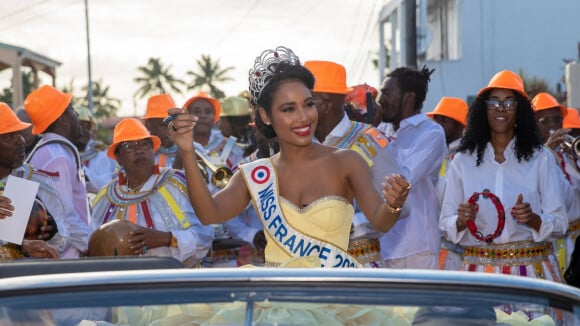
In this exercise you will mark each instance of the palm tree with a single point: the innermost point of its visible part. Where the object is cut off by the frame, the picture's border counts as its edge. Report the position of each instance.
(104, 105)
(208, 75)
(156, 79)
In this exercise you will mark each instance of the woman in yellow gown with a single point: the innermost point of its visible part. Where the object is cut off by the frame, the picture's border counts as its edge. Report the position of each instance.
(304, 193)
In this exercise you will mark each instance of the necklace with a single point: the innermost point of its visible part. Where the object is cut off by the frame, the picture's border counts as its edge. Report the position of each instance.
(135, 188)
(500, 217)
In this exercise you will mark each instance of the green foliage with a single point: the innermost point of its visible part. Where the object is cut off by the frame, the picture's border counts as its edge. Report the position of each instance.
(104, 105)
(155, 79)
(209, 73)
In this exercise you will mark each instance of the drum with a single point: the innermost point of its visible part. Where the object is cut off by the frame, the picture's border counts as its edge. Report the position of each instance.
(111, 239)
(9, 251)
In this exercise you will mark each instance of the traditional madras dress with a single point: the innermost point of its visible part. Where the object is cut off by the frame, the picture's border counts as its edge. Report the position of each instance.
(99, 168)
(161, 204)
(50, 199)
(56, 153)
(518, 249)
(164, 157)
(450, 254)
(370, 144)
(321, 229)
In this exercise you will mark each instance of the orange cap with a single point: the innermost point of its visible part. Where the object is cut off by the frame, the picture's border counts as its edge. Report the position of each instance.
(544, 101)
(451, 107)
(572, 119)
(130, 129)
(203, 96)
(157, 106)
(508, 80)
(44, 105)
(329, 77)
(9, 122)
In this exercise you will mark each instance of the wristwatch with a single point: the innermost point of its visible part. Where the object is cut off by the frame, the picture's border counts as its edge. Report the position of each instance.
(173, 242)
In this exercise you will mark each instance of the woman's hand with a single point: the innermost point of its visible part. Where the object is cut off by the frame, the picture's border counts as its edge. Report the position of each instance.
(395, 190)
(557, 138)
(38, 249)
(181, 128)
(144, 238)
(465, 212)
(6, 208)
(522, 213)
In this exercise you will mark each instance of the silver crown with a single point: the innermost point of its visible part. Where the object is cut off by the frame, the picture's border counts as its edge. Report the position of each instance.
(265, 66)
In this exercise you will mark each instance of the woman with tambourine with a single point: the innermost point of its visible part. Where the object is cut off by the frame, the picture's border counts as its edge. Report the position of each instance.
(503, 200)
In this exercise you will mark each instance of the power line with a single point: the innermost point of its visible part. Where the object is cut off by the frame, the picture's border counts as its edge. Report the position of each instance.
(42, 14)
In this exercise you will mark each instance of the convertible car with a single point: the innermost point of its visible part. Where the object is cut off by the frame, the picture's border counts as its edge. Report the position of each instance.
(158, 292)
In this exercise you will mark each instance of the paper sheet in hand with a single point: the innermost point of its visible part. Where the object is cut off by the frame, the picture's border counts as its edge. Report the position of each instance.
(22, 193)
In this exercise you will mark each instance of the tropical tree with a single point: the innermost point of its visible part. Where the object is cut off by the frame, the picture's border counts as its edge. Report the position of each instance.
(209, 73)
(155, 79)
(104, 105)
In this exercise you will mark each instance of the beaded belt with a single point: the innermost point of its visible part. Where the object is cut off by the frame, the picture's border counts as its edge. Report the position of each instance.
(365, 250)
(574, 227)
(513, 253)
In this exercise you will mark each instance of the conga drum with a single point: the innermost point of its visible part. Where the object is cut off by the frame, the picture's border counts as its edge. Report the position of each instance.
(111, 239)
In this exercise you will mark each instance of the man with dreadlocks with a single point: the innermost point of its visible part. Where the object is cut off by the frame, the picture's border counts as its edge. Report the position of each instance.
(418, 145)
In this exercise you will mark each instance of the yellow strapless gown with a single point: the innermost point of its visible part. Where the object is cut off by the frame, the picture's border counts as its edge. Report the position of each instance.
(327, 219)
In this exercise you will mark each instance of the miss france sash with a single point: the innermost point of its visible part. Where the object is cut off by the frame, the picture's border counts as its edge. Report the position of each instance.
(261, 179)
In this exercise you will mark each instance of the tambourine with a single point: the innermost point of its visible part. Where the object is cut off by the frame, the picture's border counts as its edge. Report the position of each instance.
(500, 216)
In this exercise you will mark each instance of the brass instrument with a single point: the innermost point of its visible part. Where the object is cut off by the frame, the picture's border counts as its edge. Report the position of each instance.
(571, 146)
(220, 177)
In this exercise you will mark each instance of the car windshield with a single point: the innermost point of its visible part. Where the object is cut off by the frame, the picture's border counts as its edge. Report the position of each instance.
(270, 297)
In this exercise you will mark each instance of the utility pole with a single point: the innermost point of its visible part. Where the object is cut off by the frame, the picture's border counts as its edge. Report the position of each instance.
(90, 83)
(411, 33)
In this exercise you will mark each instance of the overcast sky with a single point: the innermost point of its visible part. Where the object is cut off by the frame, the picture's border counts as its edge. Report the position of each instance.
(125, 33)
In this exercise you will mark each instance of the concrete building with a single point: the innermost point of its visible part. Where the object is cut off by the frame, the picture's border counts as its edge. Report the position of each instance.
(468, 41)
(15, 58)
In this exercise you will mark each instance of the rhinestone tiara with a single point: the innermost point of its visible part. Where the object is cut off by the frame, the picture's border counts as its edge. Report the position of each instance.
(265, 66)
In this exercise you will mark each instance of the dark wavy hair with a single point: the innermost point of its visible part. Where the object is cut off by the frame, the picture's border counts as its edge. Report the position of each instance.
(283, 71)
(478, 132)
(412, 80)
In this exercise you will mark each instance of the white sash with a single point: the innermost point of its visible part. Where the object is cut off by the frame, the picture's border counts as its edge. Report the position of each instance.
(261, 179)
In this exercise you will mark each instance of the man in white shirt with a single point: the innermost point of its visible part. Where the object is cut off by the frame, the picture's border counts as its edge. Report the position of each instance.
(53, 116)
(419, 146)
(451, 114)
(335, 129)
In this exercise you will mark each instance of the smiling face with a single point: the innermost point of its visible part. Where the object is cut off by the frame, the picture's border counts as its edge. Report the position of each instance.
(294, 115)
(501, 119)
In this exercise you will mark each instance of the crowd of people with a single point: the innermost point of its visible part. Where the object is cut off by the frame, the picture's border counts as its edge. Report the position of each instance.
(302, 170)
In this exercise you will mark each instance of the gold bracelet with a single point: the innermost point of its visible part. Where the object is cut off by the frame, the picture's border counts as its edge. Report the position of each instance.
(392, 209)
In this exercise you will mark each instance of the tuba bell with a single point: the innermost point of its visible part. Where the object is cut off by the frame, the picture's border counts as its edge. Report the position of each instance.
(220, 176)
(571, 146)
